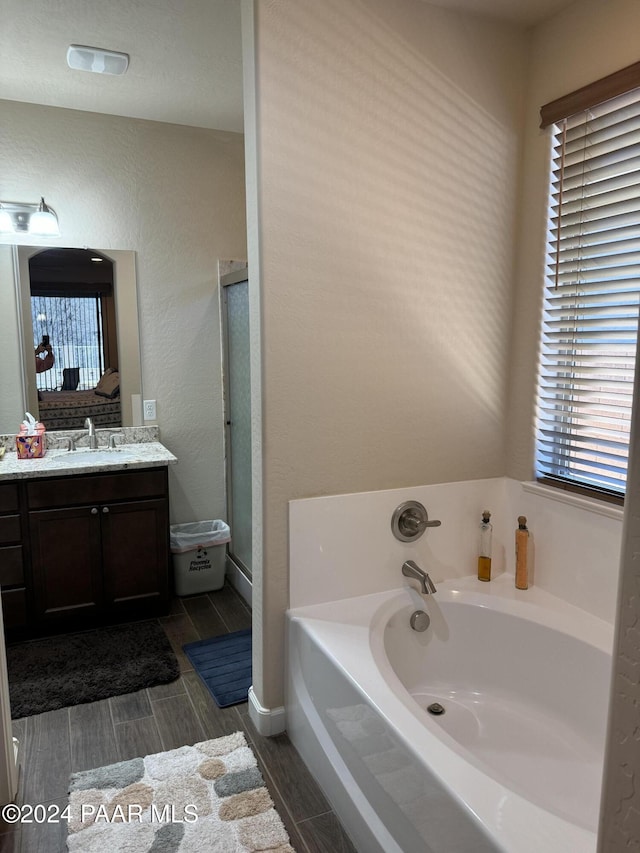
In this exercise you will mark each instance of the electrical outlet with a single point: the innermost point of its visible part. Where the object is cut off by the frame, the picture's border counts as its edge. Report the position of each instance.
(149, 410)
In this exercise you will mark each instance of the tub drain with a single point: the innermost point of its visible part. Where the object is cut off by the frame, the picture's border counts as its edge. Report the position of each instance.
(435, 708)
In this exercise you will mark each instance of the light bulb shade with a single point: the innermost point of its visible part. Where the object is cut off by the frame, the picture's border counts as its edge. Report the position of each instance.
(6, 222)
(82, 57)
(44, 221)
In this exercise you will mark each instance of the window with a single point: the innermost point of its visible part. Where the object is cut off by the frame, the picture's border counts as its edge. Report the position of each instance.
(592, 292)
(74, 327)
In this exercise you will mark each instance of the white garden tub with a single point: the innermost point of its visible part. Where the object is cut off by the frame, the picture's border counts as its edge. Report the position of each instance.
(515, 761)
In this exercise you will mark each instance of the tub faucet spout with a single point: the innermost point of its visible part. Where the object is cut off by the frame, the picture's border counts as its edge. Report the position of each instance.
(412, 570)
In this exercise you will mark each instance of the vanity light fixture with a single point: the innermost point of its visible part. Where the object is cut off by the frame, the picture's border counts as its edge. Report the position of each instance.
(22, 218)
(81, 57)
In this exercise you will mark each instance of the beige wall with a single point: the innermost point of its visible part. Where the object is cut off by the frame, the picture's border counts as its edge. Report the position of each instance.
(174, 195)
(387, 143)
(590, 39)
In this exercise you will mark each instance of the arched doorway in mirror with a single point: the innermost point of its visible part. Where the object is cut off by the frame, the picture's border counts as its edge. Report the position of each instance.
(75, 342)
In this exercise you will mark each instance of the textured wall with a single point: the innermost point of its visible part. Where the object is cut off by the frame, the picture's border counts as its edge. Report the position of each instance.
(387, 144)
(175, 195)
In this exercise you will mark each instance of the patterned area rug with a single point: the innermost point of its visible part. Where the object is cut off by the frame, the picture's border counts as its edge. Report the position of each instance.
(206, 798)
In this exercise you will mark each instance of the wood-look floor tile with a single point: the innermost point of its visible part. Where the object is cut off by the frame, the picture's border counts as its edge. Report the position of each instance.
(164, 691)
(10, 842)
(215, 721)
(324, 833)
(205, 617)
(231, 607)
(93, 742)
(18, 728)
(289, 773)
(177, 722)
(46, 757)
(180, 629)
(175, 606)
(46, 837)
(130, 706)
(137, 738)
(296, 839)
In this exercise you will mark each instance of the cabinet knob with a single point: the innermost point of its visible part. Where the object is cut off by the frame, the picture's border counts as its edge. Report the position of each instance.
(105, 509)
(94, 510)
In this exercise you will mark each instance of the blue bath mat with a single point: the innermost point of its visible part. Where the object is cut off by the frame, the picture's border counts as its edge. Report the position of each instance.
(224, 664)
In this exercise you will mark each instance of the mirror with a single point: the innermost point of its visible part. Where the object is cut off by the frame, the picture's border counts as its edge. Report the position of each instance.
(18, 389)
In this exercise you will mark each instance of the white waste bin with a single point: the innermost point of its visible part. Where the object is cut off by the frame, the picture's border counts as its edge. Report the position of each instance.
(198, 554)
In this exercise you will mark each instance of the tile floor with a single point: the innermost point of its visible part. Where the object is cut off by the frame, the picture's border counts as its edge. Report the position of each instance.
(58, 743)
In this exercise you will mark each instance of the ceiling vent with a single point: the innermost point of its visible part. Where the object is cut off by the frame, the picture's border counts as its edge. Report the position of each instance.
(84, 58)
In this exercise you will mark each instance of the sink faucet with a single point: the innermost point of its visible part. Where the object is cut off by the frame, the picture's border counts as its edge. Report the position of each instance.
(411, 570)
(93, 438)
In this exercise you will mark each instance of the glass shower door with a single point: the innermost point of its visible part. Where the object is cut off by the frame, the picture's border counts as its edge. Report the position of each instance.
(235, 302)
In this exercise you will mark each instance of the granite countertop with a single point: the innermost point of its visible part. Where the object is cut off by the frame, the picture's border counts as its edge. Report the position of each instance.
(57, 462)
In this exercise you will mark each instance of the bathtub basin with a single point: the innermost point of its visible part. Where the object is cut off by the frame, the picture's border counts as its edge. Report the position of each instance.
(513, 764)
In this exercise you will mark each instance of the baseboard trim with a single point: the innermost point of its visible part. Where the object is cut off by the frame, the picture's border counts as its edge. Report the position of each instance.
(268, 721)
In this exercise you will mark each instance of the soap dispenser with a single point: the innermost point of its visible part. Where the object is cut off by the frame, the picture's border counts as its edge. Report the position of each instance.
(484, 551)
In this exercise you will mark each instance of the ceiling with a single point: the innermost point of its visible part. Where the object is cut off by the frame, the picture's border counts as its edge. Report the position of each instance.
(185, 55)
(185, 58)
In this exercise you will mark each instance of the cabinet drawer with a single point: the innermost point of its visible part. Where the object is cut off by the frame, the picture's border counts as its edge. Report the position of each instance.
(9, 529)
(97, 488)
(14, 608)
(8, 497)
(11, 571)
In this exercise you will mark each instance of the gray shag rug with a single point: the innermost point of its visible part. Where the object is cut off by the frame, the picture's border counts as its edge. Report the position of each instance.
(206, 798)
(71, 669)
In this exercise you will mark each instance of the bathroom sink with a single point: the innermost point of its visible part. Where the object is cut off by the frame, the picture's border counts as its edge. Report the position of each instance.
(84, 456)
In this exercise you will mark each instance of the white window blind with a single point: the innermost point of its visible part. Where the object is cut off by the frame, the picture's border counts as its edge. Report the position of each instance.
(592, 291)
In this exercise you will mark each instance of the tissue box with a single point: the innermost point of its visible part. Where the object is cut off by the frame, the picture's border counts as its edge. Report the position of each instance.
(31, 446)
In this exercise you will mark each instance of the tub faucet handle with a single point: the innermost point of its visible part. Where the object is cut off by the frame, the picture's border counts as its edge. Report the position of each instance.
(410, 520)
(412, 570)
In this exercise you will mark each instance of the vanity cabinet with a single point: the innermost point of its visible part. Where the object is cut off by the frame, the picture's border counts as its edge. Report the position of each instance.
(12, 569)
(99, 548)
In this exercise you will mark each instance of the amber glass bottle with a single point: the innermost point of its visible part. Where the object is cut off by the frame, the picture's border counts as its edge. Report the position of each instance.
(522, 544)
(484, 551)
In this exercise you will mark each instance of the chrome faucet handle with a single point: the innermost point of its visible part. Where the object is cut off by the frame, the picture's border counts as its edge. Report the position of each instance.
(414, 523)
(71, 445)
(410, 520)
(113, 444)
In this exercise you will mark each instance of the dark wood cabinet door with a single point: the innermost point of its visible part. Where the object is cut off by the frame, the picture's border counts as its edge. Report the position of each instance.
(66, 563)
(135, 556)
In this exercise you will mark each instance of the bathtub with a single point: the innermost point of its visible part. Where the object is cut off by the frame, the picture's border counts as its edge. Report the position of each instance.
(513, 764)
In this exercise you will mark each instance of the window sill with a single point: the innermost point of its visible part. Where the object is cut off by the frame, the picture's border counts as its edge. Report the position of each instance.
(589, 504)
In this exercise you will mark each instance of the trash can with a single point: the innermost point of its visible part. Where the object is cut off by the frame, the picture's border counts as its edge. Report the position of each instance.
(198, 555)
